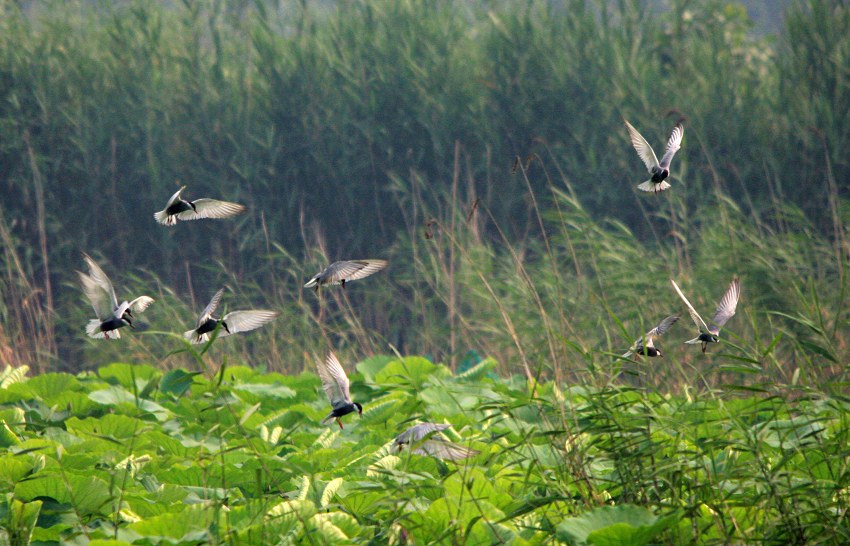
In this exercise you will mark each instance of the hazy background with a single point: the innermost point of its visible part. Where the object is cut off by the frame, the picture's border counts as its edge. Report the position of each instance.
(347, 127)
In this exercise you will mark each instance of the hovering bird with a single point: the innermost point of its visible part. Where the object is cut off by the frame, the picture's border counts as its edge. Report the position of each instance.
(231, 323)
(425, 439)
(335, 383)
(659, 171)
(110, 315)
(645, 346)
(725, 310)
(345, 271)
(178, 208)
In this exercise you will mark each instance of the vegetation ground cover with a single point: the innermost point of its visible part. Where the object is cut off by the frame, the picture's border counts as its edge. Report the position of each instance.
(129, 454)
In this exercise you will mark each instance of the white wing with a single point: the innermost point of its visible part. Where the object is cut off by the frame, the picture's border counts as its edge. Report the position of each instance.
(174, 198)
(245, 321)
(98, 289)
(417, 432)
(347, 270)
(139, 304)
(210, 308)
(663, 327)
(727, 306)
(211, 208)
(443, 449)
(673, 145)
(642, 147)
(703, 327)
(648, 339)
(334, 380)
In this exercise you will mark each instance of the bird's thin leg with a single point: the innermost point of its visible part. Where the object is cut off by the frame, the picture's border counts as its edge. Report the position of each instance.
(339, 422)
(342, 282)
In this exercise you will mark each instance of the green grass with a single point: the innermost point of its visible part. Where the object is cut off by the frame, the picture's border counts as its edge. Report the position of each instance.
(129, 453)
(312, 115)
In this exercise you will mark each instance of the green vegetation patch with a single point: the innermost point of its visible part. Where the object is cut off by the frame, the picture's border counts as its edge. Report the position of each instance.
(180, 458)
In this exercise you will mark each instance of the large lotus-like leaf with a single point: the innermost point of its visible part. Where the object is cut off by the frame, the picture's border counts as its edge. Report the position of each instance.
(613, 525)
(116, 396)
(129, 376)
(334, 527)
(371, 366)
(110, 425)
(478, 371)
(330, 492)
(46, 387)
(88, 495)
(188, 525)
(11, 375)
(7, 435)
(262, 390)
(411, 371)
(177, 382)
(13, 469)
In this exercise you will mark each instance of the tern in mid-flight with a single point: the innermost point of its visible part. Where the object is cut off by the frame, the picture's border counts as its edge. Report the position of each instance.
(659, 170)
(725, 310)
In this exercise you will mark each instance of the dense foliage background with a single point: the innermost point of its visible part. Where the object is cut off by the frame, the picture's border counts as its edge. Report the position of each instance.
(479, 147)
(391, 129)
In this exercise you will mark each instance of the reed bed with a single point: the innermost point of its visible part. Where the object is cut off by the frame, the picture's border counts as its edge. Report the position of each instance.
(477, 146)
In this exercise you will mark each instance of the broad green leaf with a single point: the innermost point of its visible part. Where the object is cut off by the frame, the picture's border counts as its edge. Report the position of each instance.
(22, 518)
(13, 468)
(15, 417)
(47, 386)
(7, 436)
(88, 495)
(11, 375)
(125, 375)
(241, 374)
(379, 412)
(611, 525)
(261, 390)
(115, 426)
(177, 382)
(303, 484)
(77, 403)
(330, 491)
(302, 509)
(329, 526)
(116, 396)
(371, 366)
(188, 525)
(411, 371)
(380, 466)
(248, 413)
(478, 371)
